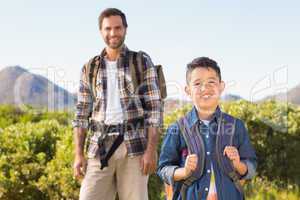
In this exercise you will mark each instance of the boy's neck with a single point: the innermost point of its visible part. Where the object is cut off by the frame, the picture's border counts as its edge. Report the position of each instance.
(206, 114)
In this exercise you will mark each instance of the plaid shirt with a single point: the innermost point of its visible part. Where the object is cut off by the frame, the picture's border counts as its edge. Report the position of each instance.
(145, 102)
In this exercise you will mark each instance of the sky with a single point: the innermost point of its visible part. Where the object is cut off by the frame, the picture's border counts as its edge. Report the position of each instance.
(256, 43)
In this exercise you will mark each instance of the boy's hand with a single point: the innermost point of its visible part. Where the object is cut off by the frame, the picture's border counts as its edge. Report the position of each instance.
(190, 164)
(233, 154)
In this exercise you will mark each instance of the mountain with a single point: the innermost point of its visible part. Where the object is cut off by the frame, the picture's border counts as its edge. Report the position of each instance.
(231, 97)
(20, 87)
(291, 96)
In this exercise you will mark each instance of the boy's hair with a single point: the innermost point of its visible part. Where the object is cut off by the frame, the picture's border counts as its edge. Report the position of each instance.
(112, 12)
(203, 62)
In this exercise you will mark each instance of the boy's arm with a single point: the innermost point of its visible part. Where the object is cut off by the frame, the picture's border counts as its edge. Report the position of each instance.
(246, 151)
(190, 166)
(169, 159)
(232, 153)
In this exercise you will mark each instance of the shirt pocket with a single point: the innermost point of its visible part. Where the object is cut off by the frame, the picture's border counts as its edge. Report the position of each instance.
(99, 89)
(128, 86)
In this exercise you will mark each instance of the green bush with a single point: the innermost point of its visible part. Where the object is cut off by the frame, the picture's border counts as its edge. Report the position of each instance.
(25, 151)
(57, 181)
(36, 152)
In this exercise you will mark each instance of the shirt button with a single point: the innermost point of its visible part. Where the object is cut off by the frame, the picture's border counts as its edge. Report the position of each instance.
(206, 189)
(208, 153)
(208, 171)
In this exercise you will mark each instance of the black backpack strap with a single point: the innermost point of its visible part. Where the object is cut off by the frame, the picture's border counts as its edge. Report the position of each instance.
(118, 141)
(193, 141)
(225, 135)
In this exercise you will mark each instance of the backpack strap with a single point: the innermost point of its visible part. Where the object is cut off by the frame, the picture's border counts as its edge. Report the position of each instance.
(92, 68)
(225, 135)
(137, 68)
(193, 142)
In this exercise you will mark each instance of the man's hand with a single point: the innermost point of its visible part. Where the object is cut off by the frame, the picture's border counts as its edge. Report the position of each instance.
(80, 163)
(190, 164)
(149, 161)
(79, 167)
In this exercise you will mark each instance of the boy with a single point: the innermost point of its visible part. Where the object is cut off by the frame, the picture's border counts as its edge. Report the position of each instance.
(219, 153)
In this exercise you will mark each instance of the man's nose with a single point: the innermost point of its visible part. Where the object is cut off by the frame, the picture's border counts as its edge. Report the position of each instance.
(112, 32)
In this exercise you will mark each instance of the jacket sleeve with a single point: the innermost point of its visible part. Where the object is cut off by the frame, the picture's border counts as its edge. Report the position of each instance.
(169, 159)
(150, 92)
(246, 150)
(84, 104)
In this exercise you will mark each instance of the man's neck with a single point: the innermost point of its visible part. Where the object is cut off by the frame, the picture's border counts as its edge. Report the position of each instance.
(112, 54)
(206, 114)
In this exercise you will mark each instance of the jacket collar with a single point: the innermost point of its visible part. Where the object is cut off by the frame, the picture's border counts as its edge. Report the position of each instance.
(193, 118)
(123, 51)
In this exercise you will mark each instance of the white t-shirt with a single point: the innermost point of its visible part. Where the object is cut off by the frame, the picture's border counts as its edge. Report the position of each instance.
(114, 113)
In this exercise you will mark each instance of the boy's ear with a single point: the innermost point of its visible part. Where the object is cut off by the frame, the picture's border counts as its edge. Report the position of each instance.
(187, 90)
(222, 86)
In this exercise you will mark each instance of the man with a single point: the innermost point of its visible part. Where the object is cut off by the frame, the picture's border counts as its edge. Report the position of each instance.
(116, 111)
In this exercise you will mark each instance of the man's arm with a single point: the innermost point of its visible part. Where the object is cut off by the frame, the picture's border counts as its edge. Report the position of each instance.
(81, 123)
(80, 161)
(154, 108)
(149, 159)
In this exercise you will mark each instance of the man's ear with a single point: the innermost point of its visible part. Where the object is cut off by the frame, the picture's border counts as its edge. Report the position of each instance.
(187, 90)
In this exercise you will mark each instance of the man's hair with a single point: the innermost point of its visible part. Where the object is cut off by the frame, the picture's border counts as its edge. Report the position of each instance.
(112, 12)
(203, 62)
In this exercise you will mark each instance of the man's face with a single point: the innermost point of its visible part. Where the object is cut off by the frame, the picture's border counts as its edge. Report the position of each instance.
(205, 88)
(113, 31)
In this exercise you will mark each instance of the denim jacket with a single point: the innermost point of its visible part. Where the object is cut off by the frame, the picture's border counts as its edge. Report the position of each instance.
(174, 152)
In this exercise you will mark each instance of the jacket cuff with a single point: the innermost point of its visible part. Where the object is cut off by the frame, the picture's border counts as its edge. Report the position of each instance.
(80, 123)
(168, 174)
(251, 170)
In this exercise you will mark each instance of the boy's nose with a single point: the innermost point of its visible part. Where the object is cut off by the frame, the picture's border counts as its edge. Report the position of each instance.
(202, 87)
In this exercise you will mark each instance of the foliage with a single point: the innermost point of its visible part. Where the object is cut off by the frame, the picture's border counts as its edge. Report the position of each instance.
(36, 152)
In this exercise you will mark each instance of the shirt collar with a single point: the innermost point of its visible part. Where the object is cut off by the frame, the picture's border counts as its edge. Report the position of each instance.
(123, 51)
(193, 118)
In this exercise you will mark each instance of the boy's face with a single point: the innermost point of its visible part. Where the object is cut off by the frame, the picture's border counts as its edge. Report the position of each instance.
(205, 88)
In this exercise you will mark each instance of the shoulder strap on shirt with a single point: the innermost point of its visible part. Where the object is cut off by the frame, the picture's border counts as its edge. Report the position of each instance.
(193, 142)
(92, 68)
(225, 135)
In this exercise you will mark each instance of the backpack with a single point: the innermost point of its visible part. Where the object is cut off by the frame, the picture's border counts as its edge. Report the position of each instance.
(136, 63)
(225, 134)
